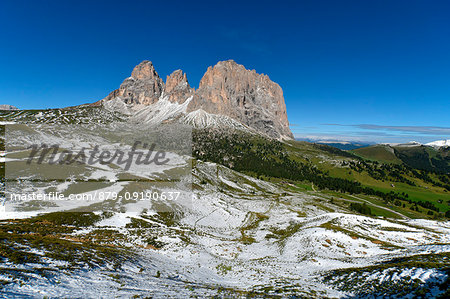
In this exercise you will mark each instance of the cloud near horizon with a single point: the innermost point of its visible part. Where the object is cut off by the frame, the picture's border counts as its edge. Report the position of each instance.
(429, 130)
(372, 133)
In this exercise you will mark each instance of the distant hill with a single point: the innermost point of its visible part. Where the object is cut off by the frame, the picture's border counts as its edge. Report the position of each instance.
(379, 152)
(439, 143)
(8, 107)
(417, 156)
(343, 145)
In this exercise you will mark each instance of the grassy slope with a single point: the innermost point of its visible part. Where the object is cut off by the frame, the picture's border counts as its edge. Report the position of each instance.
(418, 157)
(381, 153)
(329, 163)
(423, 191)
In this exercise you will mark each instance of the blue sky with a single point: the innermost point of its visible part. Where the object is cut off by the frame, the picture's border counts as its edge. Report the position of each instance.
(360, 70)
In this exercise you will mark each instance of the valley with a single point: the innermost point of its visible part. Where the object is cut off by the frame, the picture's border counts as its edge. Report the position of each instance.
(257, 217)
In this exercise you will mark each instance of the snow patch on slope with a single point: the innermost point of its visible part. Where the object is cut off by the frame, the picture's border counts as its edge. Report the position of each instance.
(439, 143)
(159, 112)
(164, 110)
(201, 119)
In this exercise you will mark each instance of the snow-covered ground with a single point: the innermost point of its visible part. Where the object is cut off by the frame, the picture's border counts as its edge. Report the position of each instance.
(248, 236)
(439, 143)
(227, 232)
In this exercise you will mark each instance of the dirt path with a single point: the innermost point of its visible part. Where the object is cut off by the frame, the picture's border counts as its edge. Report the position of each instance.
(384, 208)
(368, 202)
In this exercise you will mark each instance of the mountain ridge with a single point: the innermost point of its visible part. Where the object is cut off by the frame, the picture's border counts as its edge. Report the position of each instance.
(8, 107)
(227, 89)
(415, 155)
(439, 143)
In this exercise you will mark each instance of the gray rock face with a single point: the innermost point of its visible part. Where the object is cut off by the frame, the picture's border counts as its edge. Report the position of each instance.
(8, 107)
(227, 89)
(253, 99)
(143, 87)
(177, 87)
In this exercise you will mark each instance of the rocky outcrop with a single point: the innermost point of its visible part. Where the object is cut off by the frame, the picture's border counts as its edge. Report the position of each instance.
(177, 87)
(253, 99)
(227, 89)
(143, 87)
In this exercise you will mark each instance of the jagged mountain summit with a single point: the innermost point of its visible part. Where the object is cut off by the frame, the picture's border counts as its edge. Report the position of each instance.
(8, 107)
(436, 144)
(439, 143)
(228, 94)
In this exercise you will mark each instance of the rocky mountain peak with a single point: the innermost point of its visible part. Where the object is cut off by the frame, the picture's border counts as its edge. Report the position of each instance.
(176, 79)
(143, 87)
(177, 87)
(144, 70)
(253, 99)
(222, 69)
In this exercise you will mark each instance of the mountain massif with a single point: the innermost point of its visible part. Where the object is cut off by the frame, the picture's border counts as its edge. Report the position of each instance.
(226, 89)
